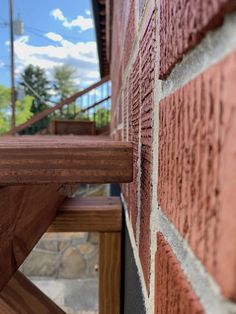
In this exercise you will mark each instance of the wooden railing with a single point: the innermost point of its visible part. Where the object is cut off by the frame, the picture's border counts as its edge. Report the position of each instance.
(38, 176)
(92, 103)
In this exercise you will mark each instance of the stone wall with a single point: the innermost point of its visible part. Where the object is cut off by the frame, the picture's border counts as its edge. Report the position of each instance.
(64, 256)
(173, 71)
(65, 265)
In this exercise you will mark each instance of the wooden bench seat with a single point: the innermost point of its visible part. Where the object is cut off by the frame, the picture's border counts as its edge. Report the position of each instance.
(64, 159)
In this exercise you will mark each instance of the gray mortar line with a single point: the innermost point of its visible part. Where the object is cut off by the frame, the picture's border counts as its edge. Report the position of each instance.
(213, 48)
(157, 93)
(202, 283)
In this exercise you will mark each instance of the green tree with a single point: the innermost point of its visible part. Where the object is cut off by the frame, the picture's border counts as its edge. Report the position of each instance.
(64, 81)
(64, 85)
(102, 117)
(5, 109)
(35, 84)
(23, 112)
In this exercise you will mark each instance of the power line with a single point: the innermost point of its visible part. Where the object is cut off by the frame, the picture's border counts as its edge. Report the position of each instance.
(41, 36)
(44, 32)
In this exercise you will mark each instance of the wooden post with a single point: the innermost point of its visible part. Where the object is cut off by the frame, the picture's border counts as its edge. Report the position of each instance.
(109, 272)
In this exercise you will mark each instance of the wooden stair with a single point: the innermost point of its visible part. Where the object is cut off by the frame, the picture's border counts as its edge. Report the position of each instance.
(37, 173)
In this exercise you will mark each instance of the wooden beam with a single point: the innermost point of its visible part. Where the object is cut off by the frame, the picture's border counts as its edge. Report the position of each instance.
(81, 214)
(58, 106)
(26, 213)
(21, 296)
(64, 159)
(109, 273)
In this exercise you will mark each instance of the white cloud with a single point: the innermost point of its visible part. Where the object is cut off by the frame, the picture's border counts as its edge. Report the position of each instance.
(54, 36)
(83, 23)
(57, 14)
(88, 12)
(2, 64)
(81, 55)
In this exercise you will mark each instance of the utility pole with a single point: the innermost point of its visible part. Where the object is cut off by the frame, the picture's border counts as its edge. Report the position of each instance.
(13, 99)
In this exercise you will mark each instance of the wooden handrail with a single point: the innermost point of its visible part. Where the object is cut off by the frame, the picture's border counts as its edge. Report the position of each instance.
(48, 111)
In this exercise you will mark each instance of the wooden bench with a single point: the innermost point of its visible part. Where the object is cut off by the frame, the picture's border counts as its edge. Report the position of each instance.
(104, 215)
(37, 174)
(79, 214)
(64, 159)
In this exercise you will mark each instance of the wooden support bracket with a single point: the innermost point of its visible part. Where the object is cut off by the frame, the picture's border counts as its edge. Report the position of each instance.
(20, 295)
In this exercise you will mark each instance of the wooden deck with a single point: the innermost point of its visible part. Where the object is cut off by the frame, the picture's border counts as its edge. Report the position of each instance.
(64, 159)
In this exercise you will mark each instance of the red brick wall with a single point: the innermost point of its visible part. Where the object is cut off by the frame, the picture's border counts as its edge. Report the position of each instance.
(147, 47)
(173, 292)
(183, 23)
(197, 170)
(184, 148)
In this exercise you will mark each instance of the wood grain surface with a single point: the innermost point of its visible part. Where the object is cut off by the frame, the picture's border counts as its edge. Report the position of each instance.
(26, 212)
(21, 296)
(64, 159)
(81, 214)
(109, 273)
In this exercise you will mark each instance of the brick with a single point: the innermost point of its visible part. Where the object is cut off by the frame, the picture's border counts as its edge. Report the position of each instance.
(147, 48)
(134, 118)
(173, 294)
(183, 23)
(130, 33)
(141, 6)
(197, 168)
(126, 110)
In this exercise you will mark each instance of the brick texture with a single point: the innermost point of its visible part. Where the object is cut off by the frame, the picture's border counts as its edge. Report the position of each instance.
(197, 168)
(141, 6)
(134, 118)
(147, 48)
(183, 23)
(174, 295)
(130, 33)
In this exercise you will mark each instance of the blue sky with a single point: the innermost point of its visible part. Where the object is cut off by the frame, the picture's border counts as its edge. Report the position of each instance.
(56, 32)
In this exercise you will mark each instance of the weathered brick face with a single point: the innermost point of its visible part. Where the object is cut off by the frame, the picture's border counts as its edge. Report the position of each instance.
(134, 118)
(197, 168)
(147, 48)
(183, 23)
(174, 295)
(130, 33)
(141, 6)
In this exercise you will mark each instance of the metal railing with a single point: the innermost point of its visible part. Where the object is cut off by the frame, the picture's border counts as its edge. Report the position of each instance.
(92, 103)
